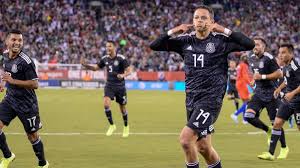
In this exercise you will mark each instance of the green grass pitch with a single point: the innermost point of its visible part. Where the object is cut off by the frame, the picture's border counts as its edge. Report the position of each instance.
(74, 126)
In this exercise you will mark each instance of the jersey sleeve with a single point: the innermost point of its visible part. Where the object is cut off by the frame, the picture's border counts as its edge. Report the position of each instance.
(101, 63)
(296, 68)
(166, 43)
(30, 71)
(125, 63)
(272, 65)
(239, 42)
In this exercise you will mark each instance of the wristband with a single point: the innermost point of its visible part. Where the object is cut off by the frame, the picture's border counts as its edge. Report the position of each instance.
(264, 76)
(170, 32)
(227, 31)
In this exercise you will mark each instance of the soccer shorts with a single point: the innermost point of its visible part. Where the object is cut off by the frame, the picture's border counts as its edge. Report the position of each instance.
(116, 92)
(258, 105)
(286, 111)
(30, 118)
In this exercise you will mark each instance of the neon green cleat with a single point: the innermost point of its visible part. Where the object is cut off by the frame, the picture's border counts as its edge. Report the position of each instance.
(266, 156)
(46, 166)
(6, 161)
(283, 153)
(110, 130)
(125, 132)
(269, 134)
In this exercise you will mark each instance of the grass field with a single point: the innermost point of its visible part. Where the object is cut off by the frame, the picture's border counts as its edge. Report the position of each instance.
(74, 126)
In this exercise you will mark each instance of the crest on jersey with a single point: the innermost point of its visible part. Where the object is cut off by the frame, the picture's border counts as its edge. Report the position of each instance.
(106, 63)
(210, 48)
(14, 68)
(116, 63)
(261, 64)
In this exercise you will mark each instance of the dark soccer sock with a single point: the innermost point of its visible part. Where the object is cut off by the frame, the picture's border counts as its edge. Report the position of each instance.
(276, 133)
(125, 118)
(108, 115)
(215, 165)
(38, 149)
(192, 165)
(240, 110)
(255, 121)
(236, 103)
(3, 145)
(282, 139)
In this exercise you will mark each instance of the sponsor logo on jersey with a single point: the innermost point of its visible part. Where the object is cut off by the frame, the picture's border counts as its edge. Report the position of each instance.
(189, 48)
(116, 63)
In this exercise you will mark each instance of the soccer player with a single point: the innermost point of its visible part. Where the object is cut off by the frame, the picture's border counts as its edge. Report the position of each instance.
(242, 82)
(232, 93)
(20, 99)
(266, 72)
(290, 104)
(205, 52)
(117, 68)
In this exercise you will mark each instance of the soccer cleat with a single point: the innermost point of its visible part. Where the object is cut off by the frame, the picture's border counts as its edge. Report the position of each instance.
(6, 161)
(283, 153)
(110, 130)
(266, 156)
(125, 132)
(45, 166)
(269, 134)
(235, 118)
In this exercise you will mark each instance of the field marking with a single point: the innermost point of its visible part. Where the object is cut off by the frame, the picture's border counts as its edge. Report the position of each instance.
(287, 131)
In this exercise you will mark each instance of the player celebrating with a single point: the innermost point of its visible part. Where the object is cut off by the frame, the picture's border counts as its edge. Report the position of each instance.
(266, 72)
(205, 54)
(117, 69)
(20, 99)
(291, 100)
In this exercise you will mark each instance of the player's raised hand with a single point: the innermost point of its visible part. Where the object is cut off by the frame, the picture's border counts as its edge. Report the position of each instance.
(181, 29)
(220, 29)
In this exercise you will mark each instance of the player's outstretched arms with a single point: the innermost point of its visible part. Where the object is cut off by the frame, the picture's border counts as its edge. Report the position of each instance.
(164, 43)
(87, 66)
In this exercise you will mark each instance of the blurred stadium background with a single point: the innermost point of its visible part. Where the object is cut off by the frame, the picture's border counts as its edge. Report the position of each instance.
(58, 33)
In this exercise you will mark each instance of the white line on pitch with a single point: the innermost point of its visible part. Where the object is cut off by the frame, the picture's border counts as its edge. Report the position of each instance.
(288, 131)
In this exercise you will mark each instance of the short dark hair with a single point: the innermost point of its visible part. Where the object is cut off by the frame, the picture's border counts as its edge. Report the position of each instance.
(261, 39)
(15, 31)
(289, 46)
(209, 9)
(110, 41)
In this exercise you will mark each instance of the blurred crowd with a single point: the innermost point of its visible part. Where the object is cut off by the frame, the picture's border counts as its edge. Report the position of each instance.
(62, 31)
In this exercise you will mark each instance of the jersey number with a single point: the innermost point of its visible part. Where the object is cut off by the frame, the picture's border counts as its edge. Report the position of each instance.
(110, 69)
(198, 58)
(31, 121)
(204, 115)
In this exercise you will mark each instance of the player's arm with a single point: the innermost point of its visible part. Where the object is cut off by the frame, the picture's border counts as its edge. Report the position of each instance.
(165, 43)
(27, 84)
(272, 76)
(290, 95)
(87, 66)
(277, 92)
(237, 40)
(126, 73)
